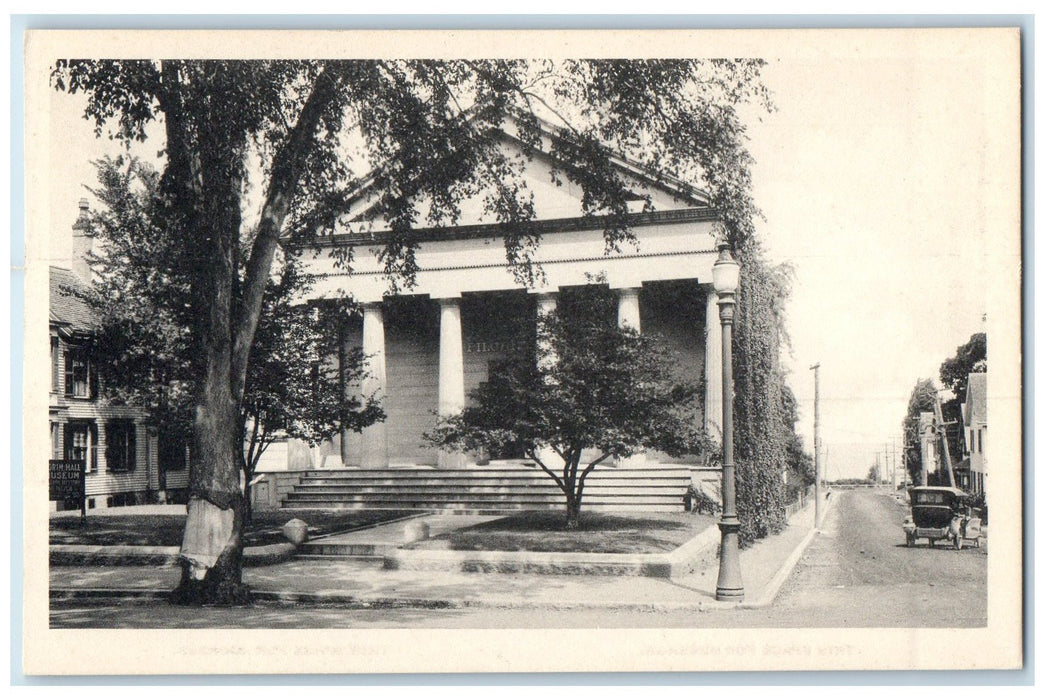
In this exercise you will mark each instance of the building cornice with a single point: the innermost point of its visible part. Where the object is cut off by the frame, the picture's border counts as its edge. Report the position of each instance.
(540, 227)
(501, 264)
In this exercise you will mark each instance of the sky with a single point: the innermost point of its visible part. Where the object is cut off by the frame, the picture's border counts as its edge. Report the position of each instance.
(871, 173)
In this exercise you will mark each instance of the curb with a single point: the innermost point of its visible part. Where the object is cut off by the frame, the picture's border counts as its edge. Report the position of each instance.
(125, 555)
(664, 566)
(130, 555)
(769, 593)
(334, 598)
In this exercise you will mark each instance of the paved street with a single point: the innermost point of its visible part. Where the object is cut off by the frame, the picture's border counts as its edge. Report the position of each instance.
(856, 573)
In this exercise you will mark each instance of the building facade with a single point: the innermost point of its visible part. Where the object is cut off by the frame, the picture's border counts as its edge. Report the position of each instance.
(431, 344)
(127, 462)
(974, 422)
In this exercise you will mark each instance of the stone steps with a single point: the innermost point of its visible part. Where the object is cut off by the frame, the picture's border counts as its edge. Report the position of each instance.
(487, 490)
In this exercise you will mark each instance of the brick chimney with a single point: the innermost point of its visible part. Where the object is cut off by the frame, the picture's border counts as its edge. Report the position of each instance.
(81, 244)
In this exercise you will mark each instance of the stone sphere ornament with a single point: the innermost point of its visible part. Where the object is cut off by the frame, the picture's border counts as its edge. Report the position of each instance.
(296, 531)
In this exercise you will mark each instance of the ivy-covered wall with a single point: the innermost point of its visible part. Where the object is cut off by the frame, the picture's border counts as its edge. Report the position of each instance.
(761, 430)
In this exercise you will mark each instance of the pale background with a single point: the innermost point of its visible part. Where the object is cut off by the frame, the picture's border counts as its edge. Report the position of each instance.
(889, 176)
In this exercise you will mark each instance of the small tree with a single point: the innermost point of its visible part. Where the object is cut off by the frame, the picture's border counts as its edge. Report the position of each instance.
(298, 374)
(874, 474)
(141, 292)
(801, 470)
(581, 384)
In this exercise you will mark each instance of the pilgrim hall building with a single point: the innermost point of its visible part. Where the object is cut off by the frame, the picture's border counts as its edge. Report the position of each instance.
(429, 345)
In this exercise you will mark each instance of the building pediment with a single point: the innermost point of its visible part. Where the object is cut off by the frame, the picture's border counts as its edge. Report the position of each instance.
(554, 196)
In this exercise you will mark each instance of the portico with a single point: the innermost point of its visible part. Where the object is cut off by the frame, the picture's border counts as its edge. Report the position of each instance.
(428, 348)
(431, 342)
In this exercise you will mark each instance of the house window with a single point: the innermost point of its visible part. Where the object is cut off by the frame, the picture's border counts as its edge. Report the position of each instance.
(980, 440)
(81, 442)
(54, 364)
(173, 453)
(120, 455)
(78, 382)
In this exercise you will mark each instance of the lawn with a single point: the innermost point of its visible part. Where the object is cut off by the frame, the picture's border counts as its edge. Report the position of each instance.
(542, 531)
(167, 530)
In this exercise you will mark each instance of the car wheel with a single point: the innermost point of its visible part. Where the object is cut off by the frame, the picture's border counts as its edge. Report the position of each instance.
(958, 542)
(910, 540)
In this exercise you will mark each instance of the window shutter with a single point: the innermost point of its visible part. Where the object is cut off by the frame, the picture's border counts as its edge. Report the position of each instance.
(92, 446)
(68, 441)
(112, 439)
(92, 378)
(54, 364)
(68, 373)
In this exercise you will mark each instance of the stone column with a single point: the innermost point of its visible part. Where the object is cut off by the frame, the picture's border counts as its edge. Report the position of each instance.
(628, 316)
(374, 453)
(547, 302)
(346, 389)
(712, 367)
(451, 371)
(628, 308)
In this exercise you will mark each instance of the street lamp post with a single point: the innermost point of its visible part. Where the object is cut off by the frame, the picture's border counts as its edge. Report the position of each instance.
(726, 278)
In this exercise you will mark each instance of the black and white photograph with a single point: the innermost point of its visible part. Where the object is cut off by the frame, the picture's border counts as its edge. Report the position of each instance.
(419, 351)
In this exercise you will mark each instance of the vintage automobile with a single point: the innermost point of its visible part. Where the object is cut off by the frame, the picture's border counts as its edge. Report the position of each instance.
(941, 513)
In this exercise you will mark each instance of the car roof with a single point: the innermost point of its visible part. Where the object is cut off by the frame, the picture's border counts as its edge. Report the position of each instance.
(948, 489)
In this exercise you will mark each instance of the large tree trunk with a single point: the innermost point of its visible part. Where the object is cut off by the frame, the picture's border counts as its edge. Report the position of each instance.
(573, 490)
(213, 543)
(573, 512)
(211, 552)
(212, 547)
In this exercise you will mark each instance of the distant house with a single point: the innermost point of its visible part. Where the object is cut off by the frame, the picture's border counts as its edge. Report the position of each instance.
(126, 461)
(974, 421)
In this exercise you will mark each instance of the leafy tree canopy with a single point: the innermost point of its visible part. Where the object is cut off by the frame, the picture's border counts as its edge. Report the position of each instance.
(968, 358)
(800, 466)
(420, 130)
(144, 349)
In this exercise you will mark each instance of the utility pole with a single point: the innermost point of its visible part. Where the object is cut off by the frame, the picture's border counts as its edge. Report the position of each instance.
(896, 462)
(816, 443)
(903, 457)
(943, 438)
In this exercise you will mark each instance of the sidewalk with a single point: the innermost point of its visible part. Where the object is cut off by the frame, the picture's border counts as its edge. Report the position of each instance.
(365, 583)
